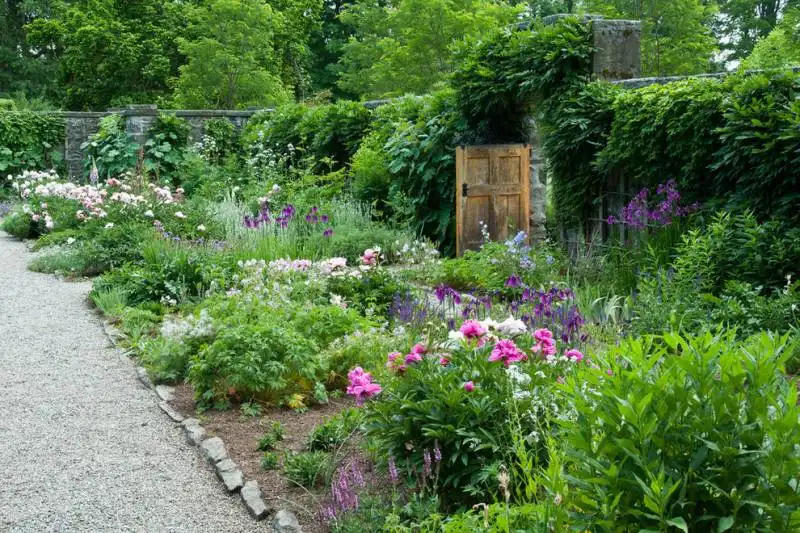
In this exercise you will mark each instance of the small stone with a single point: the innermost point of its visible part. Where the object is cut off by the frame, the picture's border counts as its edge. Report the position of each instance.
(214, 450)
(230, 475)
(286, 522)
(165, 393)
(172, 413)
(143, 377)
(251, 497)
(193, 431)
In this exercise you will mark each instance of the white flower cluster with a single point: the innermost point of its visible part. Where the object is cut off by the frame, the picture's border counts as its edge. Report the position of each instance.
(415, 252)
(190, 327)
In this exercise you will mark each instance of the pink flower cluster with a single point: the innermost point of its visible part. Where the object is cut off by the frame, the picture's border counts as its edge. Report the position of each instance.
(544, 342)
(370, 257)
(399, 362)
(472, 329)
(361, 386)
(506, 351)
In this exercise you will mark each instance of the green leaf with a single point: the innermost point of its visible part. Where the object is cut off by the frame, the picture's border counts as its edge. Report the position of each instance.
(725, 524)
(680, 523)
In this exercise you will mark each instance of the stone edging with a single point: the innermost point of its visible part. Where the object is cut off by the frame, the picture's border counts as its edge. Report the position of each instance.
(214, 451)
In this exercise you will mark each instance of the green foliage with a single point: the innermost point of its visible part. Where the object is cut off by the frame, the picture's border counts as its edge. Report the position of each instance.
(500, 77)
(165, 148)
(112, 149)
(576, 131)
(760, 140)
(308, 469)
(729, 144)
(662, 132)
(271, 437)
(374, 290)
(779, 49)
(18, 224)
(30, 140)
(694, 433)
(109, 52)
(329, 135)
(230, 57)
(265, 359)
(487, 269)
(224, 137)
(269, 461)
(407, 47)
(111, 302)
(335, 431)
(422, 161)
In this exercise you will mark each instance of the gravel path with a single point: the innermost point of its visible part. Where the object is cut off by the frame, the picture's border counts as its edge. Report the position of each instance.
(83, 447)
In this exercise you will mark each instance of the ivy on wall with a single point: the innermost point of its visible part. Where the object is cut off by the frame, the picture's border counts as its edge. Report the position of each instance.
(30, 140)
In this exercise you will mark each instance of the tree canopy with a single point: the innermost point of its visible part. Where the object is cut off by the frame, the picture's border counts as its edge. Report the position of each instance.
(93, 54)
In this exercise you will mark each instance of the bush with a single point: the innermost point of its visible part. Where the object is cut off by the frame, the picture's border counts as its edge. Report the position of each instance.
(308, 469)
(112, 149)
(473, 411)
(29, 140)
(166, 146)
(266, 362)
(19, 225)
(696, 433)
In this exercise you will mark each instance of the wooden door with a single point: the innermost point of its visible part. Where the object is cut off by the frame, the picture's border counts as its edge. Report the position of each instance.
(492, 187)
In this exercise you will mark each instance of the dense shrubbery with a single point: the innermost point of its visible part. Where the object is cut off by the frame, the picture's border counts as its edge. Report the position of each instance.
(30, 140)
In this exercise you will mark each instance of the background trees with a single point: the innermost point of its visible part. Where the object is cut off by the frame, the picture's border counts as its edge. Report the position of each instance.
(92, 54)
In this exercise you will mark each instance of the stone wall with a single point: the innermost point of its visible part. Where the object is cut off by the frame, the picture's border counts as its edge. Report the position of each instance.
(138, 120)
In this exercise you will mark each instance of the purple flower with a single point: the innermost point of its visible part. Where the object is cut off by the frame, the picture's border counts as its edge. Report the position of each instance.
(324, 219)
(514, 281)
(328, 232)
(393, 471)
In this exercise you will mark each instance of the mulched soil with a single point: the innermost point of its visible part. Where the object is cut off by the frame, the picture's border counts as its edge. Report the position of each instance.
(241, 435)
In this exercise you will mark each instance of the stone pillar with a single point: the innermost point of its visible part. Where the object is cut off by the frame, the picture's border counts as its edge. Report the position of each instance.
(80, 126)
(619, 49)
(538, 188)
(138, 119)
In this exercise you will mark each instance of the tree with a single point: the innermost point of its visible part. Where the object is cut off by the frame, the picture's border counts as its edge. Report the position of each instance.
(110, 52)
(676, 35)
(230, 57)
(742, 23)
(781, 48)
(23, 68)
(406, 46)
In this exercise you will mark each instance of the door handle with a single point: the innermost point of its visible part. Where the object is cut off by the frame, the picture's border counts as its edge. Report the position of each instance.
(464, 189)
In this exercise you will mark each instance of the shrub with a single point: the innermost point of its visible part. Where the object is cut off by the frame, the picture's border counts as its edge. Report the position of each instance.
(271, 437)
(30, 140)
(308, 469)
(165, 148)
(19, 225)
(422, 163)
(266, 361)
(469, 409)
(696, 433)
(112, 149)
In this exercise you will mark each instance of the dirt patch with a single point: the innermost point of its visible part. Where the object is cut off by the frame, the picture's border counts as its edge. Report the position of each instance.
(241, 435)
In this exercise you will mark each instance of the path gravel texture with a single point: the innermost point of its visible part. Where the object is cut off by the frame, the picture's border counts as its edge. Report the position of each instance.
(83, 446)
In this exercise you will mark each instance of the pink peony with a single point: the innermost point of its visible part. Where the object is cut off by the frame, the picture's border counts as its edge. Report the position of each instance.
(574, 355)
(370, 257)
(472, 329)
(444, 361)
(469, 386)
(506, 351)
(413, 357)
(542, 334)
(419, 349)
(361, 385)
(544, 342)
